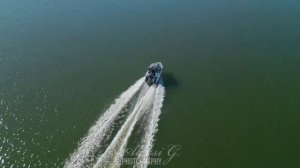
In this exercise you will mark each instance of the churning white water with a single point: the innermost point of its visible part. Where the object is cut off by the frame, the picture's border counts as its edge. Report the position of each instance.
(92, 142)
(149, 100)
(151, 127)
(115, 151)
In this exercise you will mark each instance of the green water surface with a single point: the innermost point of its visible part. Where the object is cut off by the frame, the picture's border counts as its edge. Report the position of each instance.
(232, 77)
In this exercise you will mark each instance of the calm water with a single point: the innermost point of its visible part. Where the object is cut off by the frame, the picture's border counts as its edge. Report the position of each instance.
(231, 76)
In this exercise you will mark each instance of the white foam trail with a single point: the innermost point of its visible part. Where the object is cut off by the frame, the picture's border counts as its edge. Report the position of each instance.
(115, 151)
(151, 129)
(91, 143)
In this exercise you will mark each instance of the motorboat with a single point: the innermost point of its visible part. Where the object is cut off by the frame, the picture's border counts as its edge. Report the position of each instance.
(153, 73)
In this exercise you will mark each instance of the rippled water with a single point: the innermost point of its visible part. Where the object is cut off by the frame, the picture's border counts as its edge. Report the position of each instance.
(231, 76)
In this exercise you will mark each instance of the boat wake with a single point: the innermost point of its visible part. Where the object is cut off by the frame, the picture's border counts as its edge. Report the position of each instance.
(106, 141)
